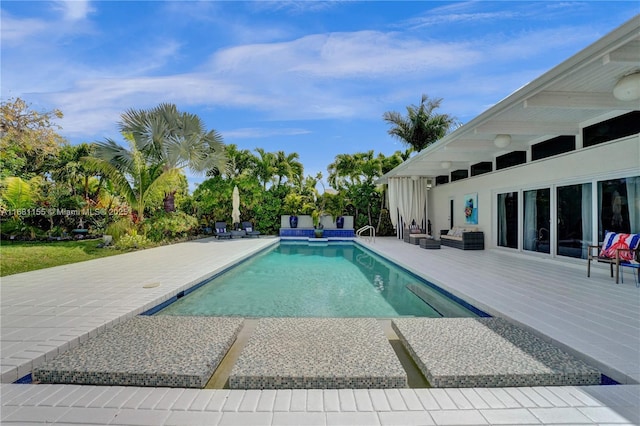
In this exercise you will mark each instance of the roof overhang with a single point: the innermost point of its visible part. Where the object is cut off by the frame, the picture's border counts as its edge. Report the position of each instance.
(578, 91)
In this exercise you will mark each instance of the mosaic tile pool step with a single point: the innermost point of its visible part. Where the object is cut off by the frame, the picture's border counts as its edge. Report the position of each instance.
(147, 351)
(487, 352)
(317, 353)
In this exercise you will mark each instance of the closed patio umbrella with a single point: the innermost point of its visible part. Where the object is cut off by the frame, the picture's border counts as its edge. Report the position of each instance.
(235, 213)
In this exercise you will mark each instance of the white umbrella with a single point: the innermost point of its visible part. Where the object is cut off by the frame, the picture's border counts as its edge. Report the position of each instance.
(235, 214)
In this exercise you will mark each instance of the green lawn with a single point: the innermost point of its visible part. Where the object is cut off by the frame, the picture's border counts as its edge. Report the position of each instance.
(28, 256)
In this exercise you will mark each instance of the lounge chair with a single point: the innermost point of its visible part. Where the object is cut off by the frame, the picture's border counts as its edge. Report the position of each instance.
(221, 230)
(250, 230)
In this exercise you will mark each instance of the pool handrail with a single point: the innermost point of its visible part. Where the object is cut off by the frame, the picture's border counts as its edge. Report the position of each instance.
(372, 233)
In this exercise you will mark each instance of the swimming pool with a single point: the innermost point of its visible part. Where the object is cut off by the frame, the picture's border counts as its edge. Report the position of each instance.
(306, 280)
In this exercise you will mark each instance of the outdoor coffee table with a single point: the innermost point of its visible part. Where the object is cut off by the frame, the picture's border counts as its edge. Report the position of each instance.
(416, 238)
(428, 243)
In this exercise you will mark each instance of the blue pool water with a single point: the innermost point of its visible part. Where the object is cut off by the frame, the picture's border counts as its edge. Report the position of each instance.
(300, 280)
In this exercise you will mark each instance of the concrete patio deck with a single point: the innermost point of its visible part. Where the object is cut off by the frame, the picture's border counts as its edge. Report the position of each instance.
(46, 312)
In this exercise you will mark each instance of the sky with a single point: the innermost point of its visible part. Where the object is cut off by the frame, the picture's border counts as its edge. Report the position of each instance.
(312, 77)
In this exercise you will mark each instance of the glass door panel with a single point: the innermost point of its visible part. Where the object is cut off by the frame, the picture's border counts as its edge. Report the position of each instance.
(574, 220)
(536, 220)
(508, 220)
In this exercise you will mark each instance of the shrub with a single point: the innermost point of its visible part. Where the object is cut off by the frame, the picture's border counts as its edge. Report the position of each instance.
(17, 228)
(132, 241)
(170, 226)
(120, 228)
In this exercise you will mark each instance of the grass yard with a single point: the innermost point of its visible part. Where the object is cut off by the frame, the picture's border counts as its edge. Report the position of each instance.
(19, 257)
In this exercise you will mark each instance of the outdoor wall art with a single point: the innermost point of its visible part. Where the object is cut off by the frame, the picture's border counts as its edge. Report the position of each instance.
(471, 209)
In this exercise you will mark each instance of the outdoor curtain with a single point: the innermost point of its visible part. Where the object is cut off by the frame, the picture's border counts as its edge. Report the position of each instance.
(408, 200)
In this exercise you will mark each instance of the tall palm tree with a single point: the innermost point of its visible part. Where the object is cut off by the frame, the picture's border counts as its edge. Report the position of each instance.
(240, 162)
(287, 166)
(342, 171)
(422, 126)
(176, 140)
(265, 167)
(130, 174)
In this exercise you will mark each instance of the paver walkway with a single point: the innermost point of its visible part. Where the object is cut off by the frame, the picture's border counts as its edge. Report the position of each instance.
(45, 312)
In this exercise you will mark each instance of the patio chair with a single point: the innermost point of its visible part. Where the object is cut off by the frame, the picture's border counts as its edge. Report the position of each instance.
(221, 230)
(617, 250)
(250, 230)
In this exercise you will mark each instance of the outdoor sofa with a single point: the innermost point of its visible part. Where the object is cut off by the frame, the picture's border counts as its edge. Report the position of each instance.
(462, 238)
(413, 234)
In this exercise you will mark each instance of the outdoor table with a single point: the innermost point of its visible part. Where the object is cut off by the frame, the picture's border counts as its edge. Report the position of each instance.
(416, 238)
(428, 243)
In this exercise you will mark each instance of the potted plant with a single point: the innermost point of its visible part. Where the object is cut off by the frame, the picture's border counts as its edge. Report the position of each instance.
(335, 207)
(318, 227)
(293, 203)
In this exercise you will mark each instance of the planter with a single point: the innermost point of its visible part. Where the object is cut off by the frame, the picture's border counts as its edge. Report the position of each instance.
(293, 221)
(318, 233)
(340, 222)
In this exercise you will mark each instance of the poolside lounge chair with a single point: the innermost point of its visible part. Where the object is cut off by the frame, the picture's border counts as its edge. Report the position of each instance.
(250, 230)
(221, 230)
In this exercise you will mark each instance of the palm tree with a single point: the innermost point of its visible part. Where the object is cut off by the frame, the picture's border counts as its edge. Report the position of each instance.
(287, 166)
(265, 167)
(422, 126)
(342, 171)
(130, 174)
(175, 140)
(240, 162)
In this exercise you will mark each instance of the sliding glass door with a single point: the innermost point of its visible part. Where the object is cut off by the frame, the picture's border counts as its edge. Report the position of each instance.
(619, 206)
(570, 228)
(536, 220)
(508, 220)
(575, 224)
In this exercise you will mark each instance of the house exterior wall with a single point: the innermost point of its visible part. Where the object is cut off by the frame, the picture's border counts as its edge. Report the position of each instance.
(609, 160)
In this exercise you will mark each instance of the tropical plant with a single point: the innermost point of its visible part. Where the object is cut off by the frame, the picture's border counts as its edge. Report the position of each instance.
(175, 140)
(293, 203)
(18, 194)
(422, 126)
(69, 170)
(265, 167)
(170, 226)
(130, 174)
(120, 228)
(132, 240)
(240, 163)
(287, 166)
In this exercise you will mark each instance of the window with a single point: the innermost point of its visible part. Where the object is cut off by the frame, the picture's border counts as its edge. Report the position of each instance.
(574, 220)
(536, 220)
(619, 206)
(480, 168)
(508, 220)
(552, 147)
(511, 159)
(616, 128)
(459, 174)
(442, 179)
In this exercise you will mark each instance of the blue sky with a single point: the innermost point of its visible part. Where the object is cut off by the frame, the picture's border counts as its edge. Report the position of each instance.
(312, 77)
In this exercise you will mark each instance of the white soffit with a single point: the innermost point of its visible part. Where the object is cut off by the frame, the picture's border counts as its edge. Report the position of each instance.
(557, 103)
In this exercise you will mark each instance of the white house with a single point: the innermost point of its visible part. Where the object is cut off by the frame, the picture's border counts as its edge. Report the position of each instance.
(554, 165)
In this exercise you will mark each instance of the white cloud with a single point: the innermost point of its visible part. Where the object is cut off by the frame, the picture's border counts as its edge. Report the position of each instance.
(14, 31)
(368, 54)
(255, 133)
(74, 10)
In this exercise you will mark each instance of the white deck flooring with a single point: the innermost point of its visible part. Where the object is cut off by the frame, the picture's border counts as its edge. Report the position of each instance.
(45, 312)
